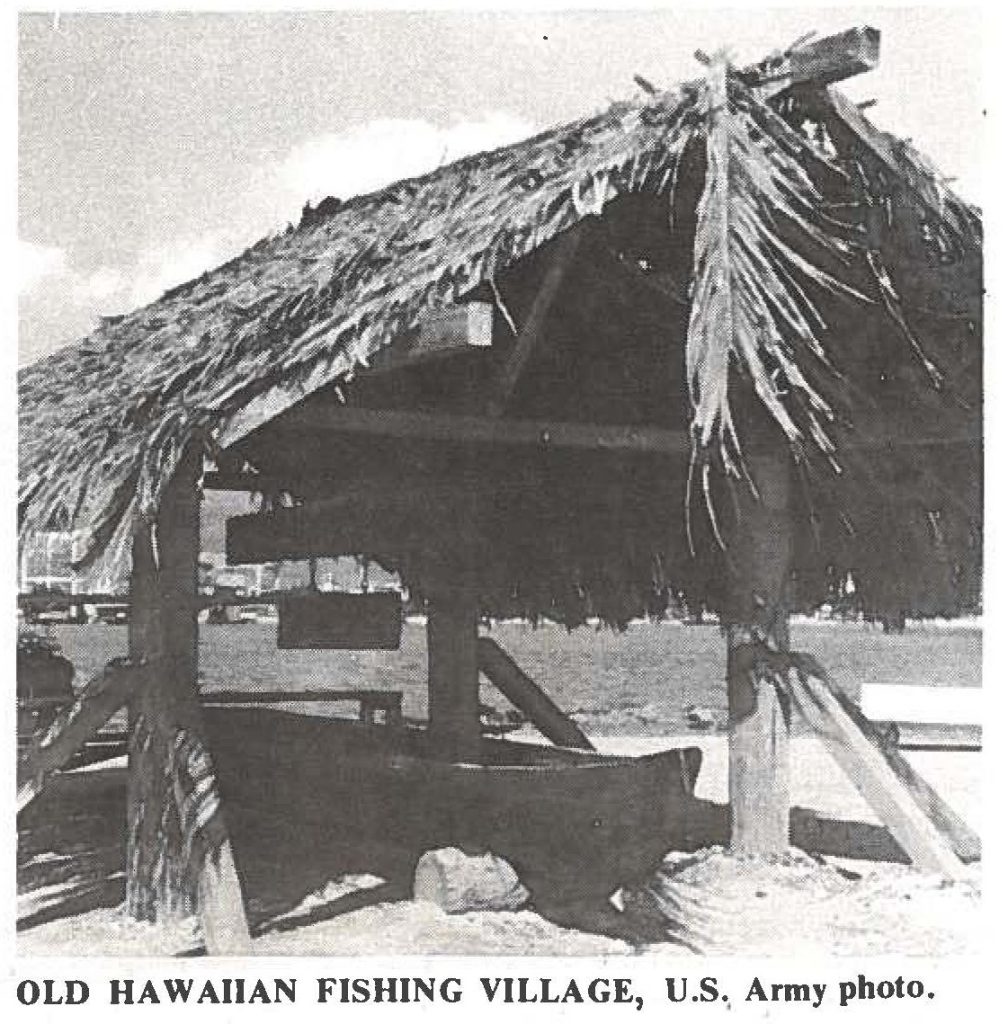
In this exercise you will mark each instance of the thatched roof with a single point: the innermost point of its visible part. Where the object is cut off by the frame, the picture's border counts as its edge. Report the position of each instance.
(102, 422)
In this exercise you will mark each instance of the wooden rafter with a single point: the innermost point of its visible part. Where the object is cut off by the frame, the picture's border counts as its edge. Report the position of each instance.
(836, 108)
(531, 330)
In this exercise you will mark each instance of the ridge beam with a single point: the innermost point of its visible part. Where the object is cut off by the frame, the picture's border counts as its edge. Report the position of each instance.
(820, 62)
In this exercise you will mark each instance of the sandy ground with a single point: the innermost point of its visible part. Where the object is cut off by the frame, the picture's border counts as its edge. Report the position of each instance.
(847, 897)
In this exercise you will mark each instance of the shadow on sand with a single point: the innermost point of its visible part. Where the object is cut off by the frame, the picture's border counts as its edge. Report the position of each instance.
(71, 860)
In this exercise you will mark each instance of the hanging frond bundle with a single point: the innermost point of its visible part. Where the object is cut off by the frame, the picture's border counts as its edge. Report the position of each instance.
(754, 292)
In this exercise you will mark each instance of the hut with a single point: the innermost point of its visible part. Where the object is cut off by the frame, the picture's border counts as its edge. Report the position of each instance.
(718, 343)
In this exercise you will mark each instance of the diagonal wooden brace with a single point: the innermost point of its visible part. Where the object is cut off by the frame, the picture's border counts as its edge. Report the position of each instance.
(837, 718)
(964, 840)
(100, 698)
(868, 768)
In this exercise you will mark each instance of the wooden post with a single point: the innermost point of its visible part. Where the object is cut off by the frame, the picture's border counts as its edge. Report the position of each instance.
(178, 854)
(758, 722)
(452, 632)
(453, 672)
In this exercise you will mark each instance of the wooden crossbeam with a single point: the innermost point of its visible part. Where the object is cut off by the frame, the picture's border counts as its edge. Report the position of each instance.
(340, 420)
(354, 522)
(43, 601)
(335, 420)
(819, 61)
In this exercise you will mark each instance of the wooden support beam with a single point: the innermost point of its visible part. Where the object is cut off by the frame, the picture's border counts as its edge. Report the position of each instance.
(270, 483)
(531, 330)
(759, 556)
(759, 770)
(447, 568)
(547, 435)
(819, 61)
(178, 853)
(372, 520)
(837, 110)
(453, 674)
(963, 839)
(97, 701)
(451, 331)
(334, 420)
(868, 769)
(527, 697)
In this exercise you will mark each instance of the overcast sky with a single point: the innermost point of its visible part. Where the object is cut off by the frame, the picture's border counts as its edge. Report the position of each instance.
(153, 147)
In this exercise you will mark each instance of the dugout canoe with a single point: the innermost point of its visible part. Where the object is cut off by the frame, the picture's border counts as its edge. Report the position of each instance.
(573, 823)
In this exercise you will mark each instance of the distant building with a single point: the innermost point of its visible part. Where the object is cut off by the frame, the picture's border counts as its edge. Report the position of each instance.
(46, 564)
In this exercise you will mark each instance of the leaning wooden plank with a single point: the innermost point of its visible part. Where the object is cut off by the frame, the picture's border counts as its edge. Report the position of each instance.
(207, 848)
(222, 908)
(873, 777)
(532, 329)
(964, 840)
(100, 698)
(526, 696)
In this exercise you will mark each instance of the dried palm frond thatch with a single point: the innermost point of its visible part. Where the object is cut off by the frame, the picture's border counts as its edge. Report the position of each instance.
(101, 423)
(835, 288)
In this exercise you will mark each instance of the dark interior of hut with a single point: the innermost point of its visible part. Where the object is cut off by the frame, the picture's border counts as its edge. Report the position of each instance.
(568, 535)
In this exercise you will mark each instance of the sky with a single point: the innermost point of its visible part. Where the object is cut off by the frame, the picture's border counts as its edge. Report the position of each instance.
(152, 147)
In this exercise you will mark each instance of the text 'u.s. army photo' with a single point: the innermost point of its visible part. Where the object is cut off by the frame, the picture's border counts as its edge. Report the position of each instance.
(499, 483)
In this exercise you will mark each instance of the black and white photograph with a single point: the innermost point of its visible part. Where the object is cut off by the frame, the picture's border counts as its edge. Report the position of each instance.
(501, 483)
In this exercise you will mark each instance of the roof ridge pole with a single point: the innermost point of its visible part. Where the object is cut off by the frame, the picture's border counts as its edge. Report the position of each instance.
(179, 858)
(758, 539)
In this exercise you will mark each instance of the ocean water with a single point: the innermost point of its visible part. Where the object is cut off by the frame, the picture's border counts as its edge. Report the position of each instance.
(639, 682)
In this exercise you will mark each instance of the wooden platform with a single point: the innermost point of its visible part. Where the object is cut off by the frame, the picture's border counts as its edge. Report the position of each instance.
(926, 718)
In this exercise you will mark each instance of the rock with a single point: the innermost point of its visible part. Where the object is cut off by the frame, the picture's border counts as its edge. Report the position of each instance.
(458, 882)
